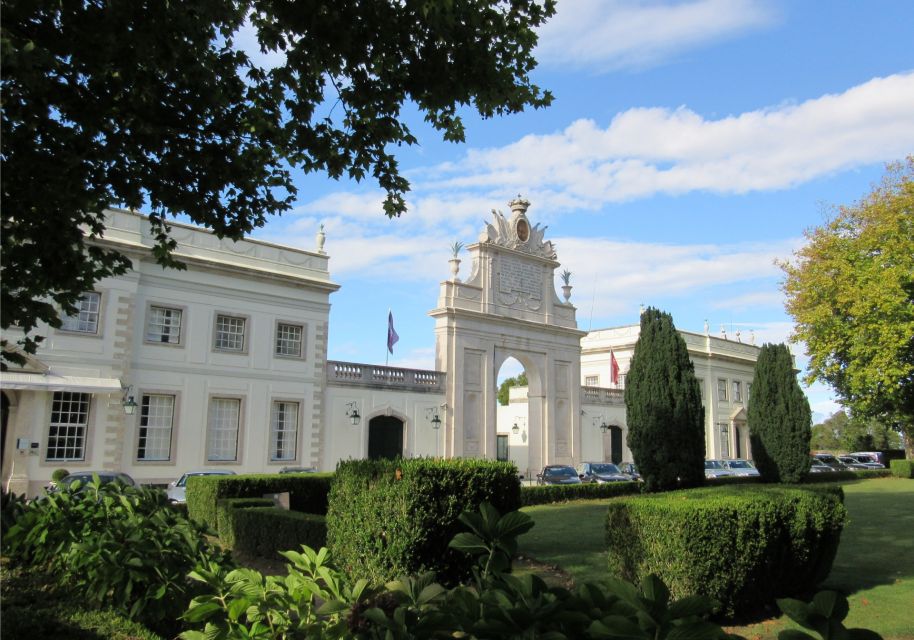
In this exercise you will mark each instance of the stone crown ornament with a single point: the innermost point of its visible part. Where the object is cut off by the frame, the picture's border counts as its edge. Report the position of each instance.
(517, 233)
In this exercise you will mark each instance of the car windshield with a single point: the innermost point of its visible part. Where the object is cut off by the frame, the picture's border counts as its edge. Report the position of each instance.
(740, 464)
(818, 463)
(604, 468)
(713, 464)
(563, 472)
(827, 459)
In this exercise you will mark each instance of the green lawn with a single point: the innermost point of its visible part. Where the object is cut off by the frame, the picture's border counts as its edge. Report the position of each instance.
(874, 566)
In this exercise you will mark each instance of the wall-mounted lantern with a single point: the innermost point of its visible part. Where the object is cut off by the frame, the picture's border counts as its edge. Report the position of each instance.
(352, 411)
(431, 415)
(128, 402)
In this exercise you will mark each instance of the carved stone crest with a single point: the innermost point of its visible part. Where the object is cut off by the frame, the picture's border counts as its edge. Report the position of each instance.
(517, 233)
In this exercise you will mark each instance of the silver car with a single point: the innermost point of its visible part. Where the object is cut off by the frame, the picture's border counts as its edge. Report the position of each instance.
(177, 490)
(716, 469)
(741, 467)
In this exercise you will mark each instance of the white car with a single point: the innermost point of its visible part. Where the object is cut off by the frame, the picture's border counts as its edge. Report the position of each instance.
(741, 467)
(177, 490)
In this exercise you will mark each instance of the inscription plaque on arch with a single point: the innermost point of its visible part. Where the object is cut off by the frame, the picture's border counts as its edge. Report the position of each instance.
(516, 276)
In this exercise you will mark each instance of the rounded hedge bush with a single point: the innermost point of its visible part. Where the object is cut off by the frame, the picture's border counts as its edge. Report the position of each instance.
(742, 545)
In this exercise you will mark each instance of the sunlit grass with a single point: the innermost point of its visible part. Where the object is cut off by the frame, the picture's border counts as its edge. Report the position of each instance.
(874, 565)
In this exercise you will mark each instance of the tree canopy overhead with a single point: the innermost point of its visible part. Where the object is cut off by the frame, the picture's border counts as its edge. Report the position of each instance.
(151, 104)
(850, 290)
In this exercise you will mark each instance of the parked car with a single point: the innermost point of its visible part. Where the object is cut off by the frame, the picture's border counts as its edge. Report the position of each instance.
(105, 477)
(852, 463)
(177, 489)
(831, 461)
(298, 470)
(558, 474)
(866, 459)
(873, 456)
(716, 469)
(601, 472)
(819, 467)
(629, 469)
(739, 467)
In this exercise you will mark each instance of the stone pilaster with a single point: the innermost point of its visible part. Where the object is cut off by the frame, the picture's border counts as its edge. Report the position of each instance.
(318, 437)
(113, 441)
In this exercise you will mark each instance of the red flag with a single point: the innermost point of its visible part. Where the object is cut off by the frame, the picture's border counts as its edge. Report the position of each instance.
(614, 368)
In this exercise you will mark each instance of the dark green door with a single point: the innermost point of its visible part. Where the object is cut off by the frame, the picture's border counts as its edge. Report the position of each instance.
(615, 434)
(385, 437)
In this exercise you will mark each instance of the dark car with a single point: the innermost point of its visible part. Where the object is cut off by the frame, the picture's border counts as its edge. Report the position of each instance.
(629, 469)
(601, 472)
(852, 463)
(831, 461)
(817, 466)
(105, 477)
(558, 474)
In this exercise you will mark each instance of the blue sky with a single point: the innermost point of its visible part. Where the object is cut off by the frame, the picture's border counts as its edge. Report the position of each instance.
(689, 146)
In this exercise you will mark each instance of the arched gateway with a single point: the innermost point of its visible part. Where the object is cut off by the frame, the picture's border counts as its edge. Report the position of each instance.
(508, 308)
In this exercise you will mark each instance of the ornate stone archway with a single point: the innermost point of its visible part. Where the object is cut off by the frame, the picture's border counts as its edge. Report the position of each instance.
(508, 307)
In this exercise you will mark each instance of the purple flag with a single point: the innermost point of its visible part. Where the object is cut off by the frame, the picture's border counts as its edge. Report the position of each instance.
(392, 337)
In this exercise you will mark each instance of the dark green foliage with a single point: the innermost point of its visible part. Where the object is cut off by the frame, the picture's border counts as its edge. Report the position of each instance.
(59, 474)
(264, 531)
(902, 468)
(315, 600)
(779, 418)
(824, 615)
(183, 122)
(11, 507)
(390, 518)
(665, 416)
(120, 547)
(564, 492)
(742, 545)
(307, 492)
(36, 606)
(227, 509)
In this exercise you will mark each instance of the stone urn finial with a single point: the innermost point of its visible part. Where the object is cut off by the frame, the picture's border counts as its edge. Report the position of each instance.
(455, 261)
(566, 286)
(320, 238)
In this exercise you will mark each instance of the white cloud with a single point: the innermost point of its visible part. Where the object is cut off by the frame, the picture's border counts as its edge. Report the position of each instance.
(750, 301)
(646, 151)
(605, 35)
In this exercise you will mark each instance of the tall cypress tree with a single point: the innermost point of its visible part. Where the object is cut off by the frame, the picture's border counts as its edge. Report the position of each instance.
(665, 416)
(780, 421)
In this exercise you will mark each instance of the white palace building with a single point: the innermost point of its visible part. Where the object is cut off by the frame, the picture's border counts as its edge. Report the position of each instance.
(224, 365)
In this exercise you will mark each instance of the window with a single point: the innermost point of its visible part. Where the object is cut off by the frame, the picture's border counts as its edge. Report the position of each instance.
(592, 381)
(222, 438)
(85, 320)
(283, 430)
(724, 440)
(737, 391)
(163, 324)
(621, 384)
(701, 388)
(229, 333)
(69, 423)
(157, 415)
(748, 390)
(501, 448)
(721, 389)
(289, 340)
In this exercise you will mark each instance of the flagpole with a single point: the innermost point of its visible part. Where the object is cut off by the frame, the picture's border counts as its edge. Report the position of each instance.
(387, 350)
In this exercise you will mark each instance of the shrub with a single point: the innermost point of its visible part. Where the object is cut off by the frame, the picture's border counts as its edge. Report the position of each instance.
(59, 474)
(742, 545)
(307, 492)
(389, 518)
(902, 468)
(562, 493)
(227, 509)
(779, 417)
(264, 531)
(665, 415)
(118, 546)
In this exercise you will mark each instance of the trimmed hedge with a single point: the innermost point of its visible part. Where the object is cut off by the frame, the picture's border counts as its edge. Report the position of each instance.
(226, 513)
(307, 492)
(265, 531)
(391, 518)
(549, 494)
(902, 468)
(742, 545)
